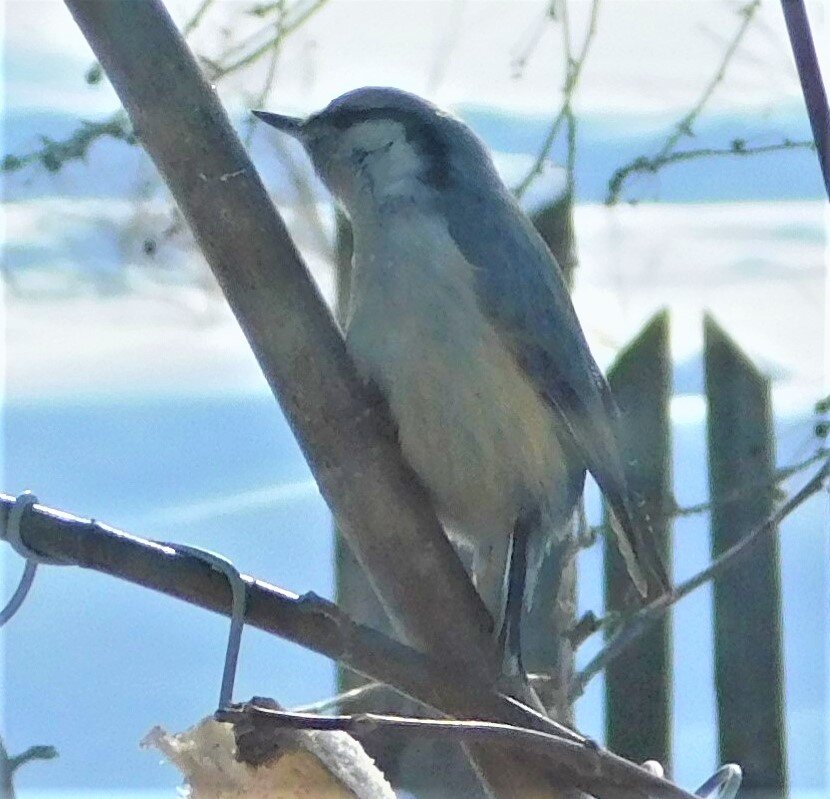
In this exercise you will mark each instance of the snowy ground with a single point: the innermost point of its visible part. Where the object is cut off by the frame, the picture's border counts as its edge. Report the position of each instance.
(759, 268)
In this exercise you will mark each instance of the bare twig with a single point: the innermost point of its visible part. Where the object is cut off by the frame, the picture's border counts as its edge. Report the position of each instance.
(343, 698)
(197, 17)
(683, 127)
(285, 28)
(633, 627)
(54, 153)
(9, 765)
(573, 71)
(676, 511)
(812, 85)
(588, 766)
(652, 165)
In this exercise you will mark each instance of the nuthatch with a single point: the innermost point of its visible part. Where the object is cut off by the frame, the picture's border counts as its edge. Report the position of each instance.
(461, 317)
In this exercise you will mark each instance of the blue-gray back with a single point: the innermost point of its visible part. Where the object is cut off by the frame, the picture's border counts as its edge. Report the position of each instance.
(523, 292)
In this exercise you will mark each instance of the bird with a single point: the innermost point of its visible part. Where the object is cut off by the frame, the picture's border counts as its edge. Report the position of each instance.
(460, 317)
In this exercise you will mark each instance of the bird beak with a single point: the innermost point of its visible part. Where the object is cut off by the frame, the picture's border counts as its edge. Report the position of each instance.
(293, 126)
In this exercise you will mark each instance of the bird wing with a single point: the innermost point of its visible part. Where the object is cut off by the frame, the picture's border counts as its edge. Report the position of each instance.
(524, 295)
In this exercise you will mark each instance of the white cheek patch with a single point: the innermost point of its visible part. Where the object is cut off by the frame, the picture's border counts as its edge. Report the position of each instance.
(373, 134)
(394, 157)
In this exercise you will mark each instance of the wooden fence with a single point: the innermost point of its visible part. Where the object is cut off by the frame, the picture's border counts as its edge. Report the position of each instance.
(747, 601)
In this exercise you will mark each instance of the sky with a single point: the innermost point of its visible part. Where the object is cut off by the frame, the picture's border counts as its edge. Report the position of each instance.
(648, 56)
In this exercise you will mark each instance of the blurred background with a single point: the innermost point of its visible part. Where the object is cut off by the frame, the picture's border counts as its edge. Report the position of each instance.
(130, 394)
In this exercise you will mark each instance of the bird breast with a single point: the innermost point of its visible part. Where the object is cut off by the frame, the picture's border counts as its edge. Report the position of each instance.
(469, 421)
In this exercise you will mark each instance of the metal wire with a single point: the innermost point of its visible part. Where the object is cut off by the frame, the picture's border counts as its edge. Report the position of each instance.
(239, 600)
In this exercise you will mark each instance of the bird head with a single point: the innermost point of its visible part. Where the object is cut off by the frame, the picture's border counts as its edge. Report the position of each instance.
(376, 145)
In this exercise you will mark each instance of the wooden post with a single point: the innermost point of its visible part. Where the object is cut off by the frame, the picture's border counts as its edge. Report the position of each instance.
(555, 223)
(638, 683)
(748, 661)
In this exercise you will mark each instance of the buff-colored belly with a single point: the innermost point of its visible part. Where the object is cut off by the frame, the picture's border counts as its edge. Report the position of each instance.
(469, 421)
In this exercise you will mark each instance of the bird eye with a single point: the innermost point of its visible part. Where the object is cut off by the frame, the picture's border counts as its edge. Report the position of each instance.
(359, 155)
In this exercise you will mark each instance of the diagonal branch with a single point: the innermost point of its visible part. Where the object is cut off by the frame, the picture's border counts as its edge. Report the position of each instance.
(373, 495)
(307, 619)
(812, 85)
(321, 626)
(592, 768)
(637, 624)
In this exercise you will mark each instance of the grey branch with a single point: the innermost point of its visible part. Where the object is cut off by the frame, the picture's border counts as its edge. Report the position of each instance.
(307, 620)
(588, 766)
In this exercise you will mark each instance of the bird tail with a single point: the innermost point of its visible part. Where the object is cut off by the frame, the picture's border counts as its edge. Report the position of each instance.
(637, 544)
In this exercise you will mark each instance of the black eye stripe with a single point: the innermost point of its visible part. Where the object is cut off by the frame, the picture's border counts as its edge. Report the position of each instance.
(360, 155)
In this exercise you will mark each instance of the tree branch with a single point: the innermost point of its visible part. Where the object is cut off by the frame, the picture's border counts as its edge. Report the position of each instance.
(589, 767)
(637, 624)
(738, 147)
(812, 85)
(307, 619)
(374, 496)
(683, 127)
(321, 626)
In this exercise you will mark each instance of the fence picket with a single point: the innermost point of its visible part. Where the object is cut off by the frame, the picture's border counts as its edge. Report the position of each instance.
(747, 601)
(638, 683)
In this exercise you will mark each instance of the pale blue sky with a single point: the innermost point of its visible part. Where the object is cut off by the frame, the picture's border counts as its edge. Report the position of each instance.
(648, 55)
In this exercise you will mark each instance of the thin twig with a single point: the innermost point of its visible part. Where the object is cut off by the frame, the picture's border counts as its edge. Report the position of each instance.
(587, 765)
(286, 30)
(738, 147)
(676, 511)
(197, 17)
(638, 623)
(54, 153)
(683, 127)
(567, 108)
(573, 72)
(343, 698)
